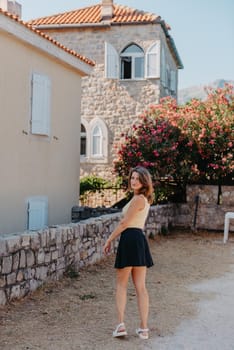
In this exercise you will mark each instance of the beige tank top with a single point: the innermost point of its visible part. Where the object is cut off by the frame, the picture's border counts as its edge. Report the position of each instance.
(139, 220)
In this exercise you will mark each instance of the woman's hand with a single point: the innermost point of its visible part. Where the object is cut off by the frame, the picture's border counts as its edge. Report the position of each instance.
(107, 247)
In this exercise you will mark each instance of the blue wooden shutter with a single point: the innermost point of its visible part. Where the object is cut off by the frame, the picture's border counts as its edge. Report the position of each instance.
(163, 68)
(37, 213)
(173, 81)
(153, 61)
(111, 62)
(41, 96)
(168, 77)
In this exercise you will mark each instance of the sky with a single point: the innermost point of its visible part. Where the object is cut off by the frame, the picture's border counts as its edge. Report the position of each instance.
(203, 31)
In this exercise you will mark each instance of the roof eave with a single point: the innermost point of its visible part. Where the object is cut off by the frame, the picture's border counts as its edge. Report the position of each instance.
(108, 24)
(105, 24)
(176, 54)
(39, 41)
(132, 23)
(172, 46)
(170, 40)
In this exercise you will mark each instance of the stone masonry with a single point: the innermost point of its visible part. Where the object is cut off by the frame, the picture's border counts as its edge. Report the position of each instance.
(29, 259)
(117, 102)
(210, 215)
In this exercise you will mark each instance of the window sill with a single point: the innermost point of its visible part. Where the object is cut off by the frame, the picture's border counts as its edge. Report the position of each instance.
(83, 159)
(133, 79)
(94, 160)
(139, 79)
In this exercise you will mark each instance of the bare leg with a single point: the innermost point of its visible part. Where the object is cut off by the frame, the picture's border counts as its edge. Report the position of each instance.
(122, 278)
(138, 277)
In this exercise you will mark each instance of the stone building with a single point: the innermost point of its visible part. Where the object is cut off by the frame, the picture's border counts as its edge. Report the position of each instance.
(136, 64)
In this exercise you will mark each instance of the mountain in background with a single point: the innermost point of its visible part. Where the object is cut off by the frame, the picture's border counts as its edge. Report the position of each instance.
(184, 95)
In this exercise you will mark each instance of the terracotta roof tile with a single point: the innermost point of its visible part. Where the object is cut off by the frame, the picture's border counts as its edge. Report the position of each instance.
(92, 15)
(47, 37)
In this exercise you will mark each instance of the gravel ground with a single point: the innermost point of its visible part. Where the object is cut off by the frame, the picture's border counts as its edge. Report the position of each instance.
(191, 303)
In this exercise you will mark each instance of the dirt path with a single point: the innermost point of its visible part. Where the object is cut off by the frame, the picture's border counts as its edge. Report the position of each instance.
(79, 313)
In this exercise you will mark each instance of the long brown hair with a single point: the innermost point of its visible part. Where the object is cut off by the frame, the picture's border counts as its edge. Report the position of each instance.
(146, 181)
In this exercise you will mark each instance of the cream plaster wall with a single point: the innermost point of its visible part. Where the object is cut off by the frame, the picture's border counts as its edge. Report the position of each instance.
(32, 165)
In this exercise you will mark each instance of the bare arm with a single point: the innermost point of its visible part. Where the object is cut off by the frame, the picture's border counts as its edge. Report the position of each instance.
(137, 204)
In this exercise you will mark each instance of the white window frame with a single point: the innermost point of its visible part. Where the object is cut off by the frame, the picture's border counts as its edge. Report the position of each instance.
(37, 213)
(96, 141)
(104, 154)
(41, 104)
(152, 69)
(134, 56)
(152, 62)
(90, 127)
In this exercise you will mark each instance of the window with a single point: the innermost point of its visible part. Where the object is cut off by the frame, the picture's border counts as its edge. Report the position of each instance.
(37, 213)
(132, 62)
(163, 68)
(83, 141)
(97, 141)
(168, 77)
(93, 141)
(41, 95)
(173, 81)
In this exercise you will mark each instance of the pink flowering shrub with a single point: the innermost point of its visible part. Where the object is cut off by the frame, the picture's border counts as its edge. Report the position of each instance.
(156, 144)
(159, 145)
(190, 143)
(210, 125)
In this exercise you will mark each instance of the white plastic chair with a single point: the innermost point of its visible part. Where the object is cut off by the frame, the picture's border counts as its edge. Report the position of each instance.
(229, 215)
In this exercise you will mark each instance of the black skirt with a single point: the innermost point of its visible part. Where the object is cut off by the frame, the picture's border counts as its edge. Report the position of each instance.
(133, 249)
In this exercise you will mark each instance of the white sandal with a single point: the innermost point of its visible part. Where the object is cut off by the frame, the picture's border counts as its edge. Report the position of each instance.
(143, 333)
(120, 333)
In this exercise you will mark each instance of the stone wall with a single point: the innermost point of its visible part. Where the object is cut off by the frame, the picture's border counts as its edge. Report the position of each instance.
(117, 102)
(210, 215)
(29, 259)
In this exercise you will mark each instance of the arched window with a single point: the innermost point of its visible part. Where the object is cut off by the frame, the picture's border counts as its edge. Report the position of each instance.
(132, 62)
(83, 140)
(93, 141)
(97, 141)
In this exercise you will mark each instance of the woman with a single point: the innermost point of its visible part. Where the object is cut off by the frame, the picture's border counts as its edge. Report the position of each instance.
(133, 254)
